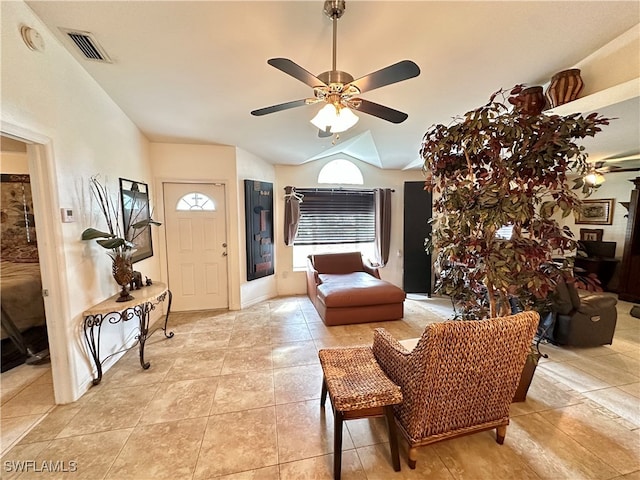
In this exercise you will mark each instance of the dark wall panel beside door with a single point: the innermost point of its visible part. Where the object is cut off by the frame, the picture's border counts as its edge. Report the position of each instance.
(259, 228)
(417, 264)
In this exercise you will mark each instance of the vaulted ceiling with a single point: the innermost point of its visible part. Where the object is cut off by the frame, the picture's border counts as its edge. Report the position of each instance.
(191, 72)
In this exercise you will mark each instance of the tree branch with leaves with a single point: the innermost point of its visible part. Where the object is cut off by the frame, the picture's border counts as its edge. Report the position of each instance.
(496, 167)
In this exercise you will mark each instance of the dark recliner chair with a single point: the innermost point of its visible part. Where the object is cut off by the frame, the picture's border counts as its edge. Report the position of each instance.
(587, 321)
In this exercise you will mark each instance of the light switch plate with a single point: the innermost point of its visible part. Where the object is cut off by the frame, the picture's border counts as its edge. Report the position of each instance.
(67, 215)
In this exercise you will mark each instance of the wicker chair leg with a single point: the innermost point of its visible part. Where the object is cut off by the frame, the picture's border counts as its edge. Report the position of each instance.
(393, 438)
(337, 444)
(501, 431)
(413, 457)
(323, 393)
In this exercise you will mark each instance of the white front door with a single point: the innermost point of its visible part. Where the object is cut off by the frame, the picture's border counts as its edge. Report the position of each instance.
(196, 245)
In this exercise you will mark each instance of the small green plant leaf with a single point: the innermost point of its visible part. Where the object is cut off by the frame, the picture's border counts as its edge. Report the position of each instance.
(145, 223)
(112, 243)
(92, 233)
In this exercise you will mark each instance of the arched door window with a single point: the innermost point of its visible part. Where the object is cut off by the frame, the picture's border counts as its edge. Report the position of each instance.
(196, 201)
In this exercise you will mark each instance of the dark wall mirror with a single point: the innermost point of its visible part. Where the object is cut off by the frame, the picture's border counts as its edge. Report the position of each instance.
(134, 198)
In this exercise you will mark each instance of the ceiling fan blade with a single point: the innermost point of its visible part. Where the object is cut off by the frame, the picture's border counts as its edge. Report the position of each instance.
(296, 71)
(623, 157)
(392, 74)
(380, 111)
(279, 107)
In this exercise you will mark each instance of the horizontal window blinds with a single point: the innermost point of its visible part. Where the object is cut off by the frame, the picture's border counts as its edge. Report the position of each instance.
(329, 216)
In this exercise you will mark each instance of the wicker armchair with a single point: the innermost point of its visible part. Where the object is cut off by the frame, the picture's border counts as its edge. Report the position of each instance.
(459, 379)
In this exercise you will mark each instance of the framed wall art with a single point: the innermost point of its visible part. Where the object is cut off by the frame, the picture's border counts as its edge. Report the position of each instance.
(134, 198)
(591, 234)
(596, 212)
(258, 204)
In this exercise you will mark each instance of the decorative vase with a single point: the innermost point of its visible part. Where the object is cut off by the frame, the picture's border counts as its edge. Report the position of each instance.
(529, 101)
(564, 87)
(122, 270)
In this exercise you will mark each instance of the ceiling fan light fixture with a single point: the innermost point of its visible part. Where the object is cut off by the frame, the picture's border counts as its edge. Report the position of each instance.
(335, 118)
(594, 178)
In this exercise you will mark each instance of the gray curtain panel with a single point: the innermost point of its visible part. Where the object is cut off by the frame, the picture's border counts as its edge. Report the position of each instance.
(291, 214)
(382, 198)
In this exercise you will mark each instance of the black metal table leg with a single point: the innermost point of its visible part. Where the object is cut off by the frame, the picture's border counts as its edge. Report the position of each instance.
(166, 318)
(92, 323)
(143, 315)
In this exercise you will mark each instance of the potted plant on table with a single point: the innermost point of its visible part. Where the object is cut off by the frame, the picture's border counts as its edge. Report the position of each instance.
(495, 167)
(120, 244)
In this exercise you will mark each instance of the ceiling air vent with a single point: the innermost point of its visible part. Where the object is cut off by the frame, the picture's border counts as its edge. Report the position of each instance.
(88, 45)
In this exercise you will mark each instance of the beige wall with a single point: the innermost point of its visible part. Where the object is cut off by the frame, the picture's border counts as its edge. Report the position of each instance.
(217, 164)
(50, 94)
(291, 282)
(211, 163)
(202, 164)
(618, 187)
(251, 167)
(13, 162)
(613, 64)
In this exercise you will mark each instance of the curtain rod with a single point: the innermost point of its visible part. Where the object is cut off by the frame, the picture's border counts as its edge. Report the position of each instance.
(339, 189)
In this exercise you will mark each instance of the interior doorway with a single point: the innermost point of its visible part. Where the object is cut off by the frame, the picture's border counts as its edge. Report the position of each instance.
(417, 277)
(23, 319)
(51, 256)
(196, 241)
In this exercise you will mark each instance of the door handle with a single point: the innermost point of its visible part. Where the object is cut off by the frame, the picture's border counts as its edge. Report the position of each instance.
(224, 254)
(224, 244)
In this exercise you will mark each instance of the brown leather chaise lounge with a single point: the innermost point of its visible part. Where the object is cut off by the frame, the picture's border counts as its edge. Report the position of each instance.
(345, 290)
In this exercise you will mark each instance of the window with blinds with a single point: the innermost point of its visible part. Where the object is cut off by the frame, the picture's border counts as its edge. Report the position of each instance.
(335, 216)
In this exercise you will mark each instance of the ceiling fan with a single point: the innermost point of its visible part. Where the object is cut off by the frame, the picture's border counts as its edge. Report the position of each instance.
(595, 174)
(339, 90)
(629, 163)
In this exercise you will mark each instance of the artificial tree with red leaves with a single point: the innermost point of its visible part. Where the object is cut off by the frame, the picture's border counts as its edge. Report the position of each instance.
(497, 166)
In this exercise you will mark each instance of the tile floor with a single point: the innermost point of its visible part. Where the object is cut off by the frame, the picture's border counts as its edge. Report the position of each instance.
(234, 395)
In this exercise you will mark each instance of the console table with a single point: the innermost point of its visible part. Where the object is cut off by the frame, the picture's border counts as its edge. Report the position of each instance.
(112, 312)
